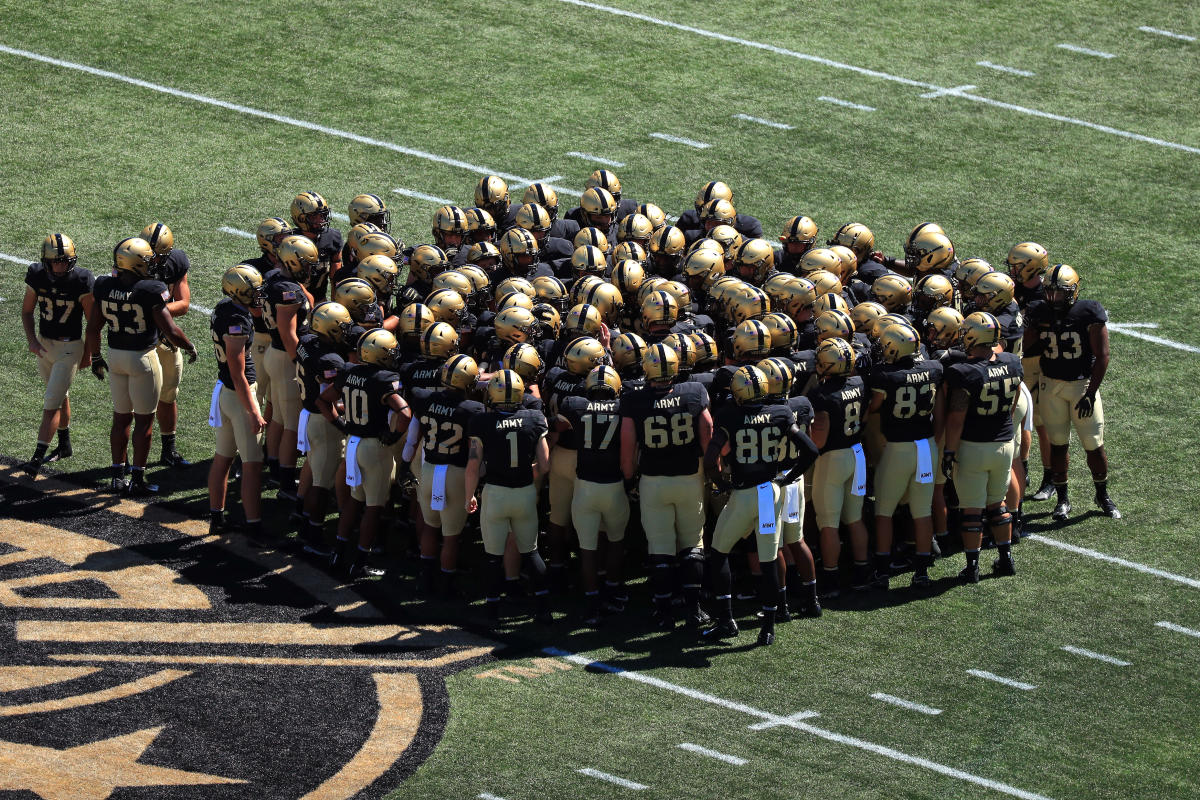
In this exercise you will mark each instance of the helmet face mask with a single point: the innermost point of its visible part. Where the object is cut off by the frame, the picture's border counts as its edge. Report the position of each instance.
(58, 250)
(1062, 287)
(310, 213)
(370, 208)
(331, 321)
(379, 347)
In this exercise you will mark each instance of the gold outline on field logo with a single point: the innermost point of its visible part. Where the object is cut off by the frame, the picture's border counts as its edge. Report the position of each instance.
(61, 641)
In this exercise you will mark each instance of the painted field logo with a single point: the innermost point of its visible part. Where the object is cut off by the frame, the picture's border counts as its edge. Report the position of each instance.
(145, 654)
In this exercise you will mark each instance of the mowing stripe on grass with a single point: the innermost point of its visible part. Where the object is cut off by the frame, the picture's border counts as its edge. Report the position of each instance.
(782, 126)
(1171, 626)
(1083, 551)
(1087, 51)
(877, 74)
(1011, 70)
(849, 741)
(608, 162)
(441, 201)
(1125, 328)
(991, 676)
(666, 137)
(1161, 32)
(719, 756)
(845, 103)
(16, 260)
(237, 232)
(910, 705)
(1079, 651)
(604, 776)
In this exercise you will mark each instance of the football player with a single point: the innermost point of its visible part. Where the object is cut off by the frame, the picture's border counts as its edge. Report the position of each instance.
(491, 195)
(689, 220)
(170, 266)
(756, 440)
(310, 213)
(61, 293)
(665, 430)
(978, 451)
(450, 231)
(544, 195)
(904, 395)
(1073, 338)
(376, 416)
(271, 232)
(511, 441)
(134, 305)
(233, 411)
(444, 417)
(597, 209)
(1027, 262)
(798, 237)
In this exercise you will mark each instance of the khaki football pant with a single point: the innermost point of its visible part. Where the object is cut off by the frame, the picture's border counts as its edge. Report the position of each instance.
(58, 366)
(453, 517)
(1032, 378)
(376, 467)
(134, 378)
(833, 482)
(326, 449)
(1057, 401)
(739, 519)
(285, 389)
(896, 479)
(503, 509)
(672, 509)
(262, 343)
(981, 471)
(562, 484)
(236, 435)
(599, 505)
(170, 361)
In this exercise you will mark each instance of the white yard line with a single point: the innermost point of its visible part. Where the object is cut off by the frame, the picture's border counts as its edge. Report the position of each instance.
(1121, 562)
(910, 705)
(789, 721)
(846, 103)
(719, 756)
(1010, 70)
(666, 137)
(1126, 328)
(522, 184)
(15, 259)
(991, 676)
(1171, 626)
(877, 74)
(237, 232)
(608, 162)
(441, 201)
(205, 310)
(339, 216)
(1079, 651)
(604, 776)
(953, 90)
(849, 741)
(1161, 32)
(780, 125)
(488, 796)
(1087, 51)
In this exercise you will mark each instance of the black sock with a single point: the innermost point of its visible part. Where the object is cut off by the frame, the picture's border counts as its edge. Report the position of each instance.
(536, 567)
(922, 562)
(793, 575)
(168, 442)
(429, 568)
(721, 580)
(287, 478)
(1005, 551)
(883, 563)
(781, 603)
(39, 452)
(1047, 475)
(972, 557)
(495, 584)
(118, 471)
(1101, 487)
(1061, 488)
(138, 474)
(217, 516)
(64, 438)
(273, 467)
(316, 532)
(254, 527)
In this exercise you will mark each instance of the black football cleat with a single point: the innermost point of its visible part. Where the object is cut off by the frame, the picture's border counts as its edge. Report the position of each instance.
(141, 489)
(118, 485)
(699, 620)
(1061, 511)
(1106, 504)
(32, 467)
(922, 583)
(811, 610)
(1044, 492)
(766, 637)
(969, 574)
(59, 453)
(1004, 566)
(725, 629)
(173, 458)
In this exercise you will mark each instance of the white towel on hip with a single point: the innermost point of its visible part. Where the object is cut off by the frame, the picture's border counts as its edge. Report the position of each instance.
(860, 472)
(353, 475)
(924, 461)
(214, 407)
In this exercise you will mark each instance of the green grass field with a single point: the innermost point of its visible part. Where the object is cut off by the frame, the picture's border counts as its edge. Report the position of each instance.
(512, 88)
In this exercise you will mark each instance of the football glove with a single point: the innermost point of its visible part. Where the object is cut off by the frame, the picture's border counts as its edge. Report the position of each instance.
(948, 463)
(99, 366)
(192, 355)
(1085, 406)
(340, 424)
(631, 489)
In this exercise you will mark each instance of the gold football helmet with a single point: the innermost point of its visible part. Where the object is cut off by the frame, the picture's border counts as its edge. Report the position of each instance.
(551, 290)
(597, 207)
(481, 225)
(447, 305)
(135, 255)
(439, 340)
(943, 327)
(534, 219)
(795, 296)
(971, 270)
(780, 375)
(516, 325)
(58, 246)
(660, 364)
(834, 325)
(717, 212)
(713, 190)
(354, 235)
(427, 262)
(244, 285)
(684, 347)
(627, 350)
(750, 302)
(583, 320)
(707, 352)
(933, 291)
(505, 390)
(801, 231)
(652, 284)
(455, 281)
(835, 358)
(606, 299)
(519, 285)
(653, 213)
(605, 179)
(728, 237)
(359, 298)
(886, 321)
(702, 267)
(515, 300)
(848, 263)
(379, 347)
(980, 329)
(271, 231)
(928, 250)
(299, 257)
(592, 237)
(706, 243)
(524, 360)
(825, 282)
(310, 212)
(629, 251)
(332, 322)
(635, 228)
(370, 208)
(831, 302)
(583, 355)
(588, 260)
(581, 287)
(666, 249)
(161, 240)
(820, 258)
(519, 250)
(784, 333)
(660, 311)
(449, 227)
(994, 292)
(491, 194)
(1026, 261)
(379, 271)
(922, 227)
(681, 293)
(460, 372)
(628, 276)
(602, 383)
(892, 292)
(1062, 286)
(376, 244)
(748, 385)
(549, 318)
(751, 339)
(485, 256)
(897, 342)
(542, 194)
(415, 319)
(857, 237)
(865, 314)
(754, 259)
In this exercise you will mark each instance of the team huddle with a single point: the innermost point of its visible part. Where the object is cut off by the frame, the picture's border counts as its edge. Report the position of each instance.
(577, 379)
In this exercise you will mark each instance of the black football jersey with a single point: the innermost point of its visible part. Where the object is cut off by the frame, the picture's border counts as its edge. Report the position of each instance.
(559, 385)
(317, 366)
(667, 427)
(1066, 345)
(60, 312)
(231, 319)
(1024, 295)
(532, 401)
(365, 392)
(283, 291)
(509, 440)
(445, 417)
(597, 428)
(845, 401)
(758, 442)
(564, 229)
(1012, 326)
(424, 373)
(263, 265)
(329, 247)
(993, 387)
(129, 310)
(174, 268)
(908, 393)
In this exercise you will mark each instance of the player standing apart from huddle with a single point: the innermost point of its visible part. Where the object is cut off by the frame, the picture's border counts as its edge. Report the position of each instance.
(170, 265)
